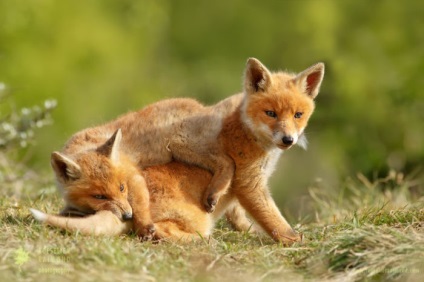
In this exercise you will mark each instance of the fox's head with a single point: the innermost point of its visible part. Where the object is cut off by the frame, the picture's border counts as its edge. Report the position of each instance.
(94, 180)
(277, 106)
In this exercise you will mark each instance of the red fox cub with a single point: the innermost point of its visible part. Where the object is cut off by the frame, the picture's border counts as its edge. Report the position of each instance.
(239, 139)
(271, 115)
(176, 191)
(174, 197)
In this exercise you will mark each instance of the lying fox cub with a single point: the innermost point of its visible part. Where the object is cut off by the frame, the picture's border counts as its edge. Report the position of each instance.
(102, 181)
(239, 140)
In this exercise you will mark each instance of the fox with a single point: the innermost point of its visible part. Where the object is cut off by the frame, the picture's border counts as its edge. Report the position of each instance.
(239, 140)
(173, 198)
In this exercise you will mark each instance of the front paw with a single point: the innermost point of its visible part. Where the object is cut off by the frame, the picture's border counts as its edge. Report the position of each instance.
(298, 238)
(146, 232)
(289, 238)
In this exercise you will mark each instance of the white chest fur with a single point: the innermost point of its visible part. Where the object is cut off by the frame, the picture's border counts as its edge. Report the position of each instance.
(270, 162)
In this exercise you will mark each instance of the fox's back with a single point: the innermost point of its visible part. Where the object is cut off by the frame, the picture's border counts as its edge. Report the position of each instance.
(144, 131)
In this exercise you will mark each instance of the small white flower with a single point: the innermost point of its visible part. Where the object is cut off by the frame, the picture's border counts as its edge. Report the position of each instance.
(39, 123)
(25, 111)
(50, 104)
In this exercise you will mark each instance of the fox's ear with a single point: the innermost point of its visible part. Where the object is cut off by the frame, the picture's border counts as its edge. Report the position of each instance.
(111, 147)
(64, 168)
(310, 79)
(257, 77)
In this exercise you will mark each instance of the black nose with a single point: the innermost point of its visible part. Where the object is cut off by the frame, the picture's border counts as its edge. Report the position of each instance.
(127, 216)
(288, 140)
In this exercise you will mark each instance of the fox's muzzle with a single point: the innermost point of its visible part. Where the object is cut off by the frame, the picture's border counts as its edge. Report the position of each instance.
(127, 216)
(288, 140)
(121, 210)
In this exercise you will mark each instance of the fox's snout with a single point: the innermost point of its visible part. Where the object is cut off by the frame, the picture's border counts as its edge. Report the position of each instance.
(125, 212)
(288, 140)
(121, 209)
(127, 216)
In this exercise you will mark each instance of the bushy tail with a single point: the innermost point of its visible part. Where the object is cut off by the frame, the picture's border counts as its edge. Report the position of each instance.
(101, 223)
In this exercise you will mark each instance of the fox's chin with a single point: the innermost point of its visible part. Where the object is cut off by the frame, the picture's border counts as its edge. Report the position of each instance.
(284, 147)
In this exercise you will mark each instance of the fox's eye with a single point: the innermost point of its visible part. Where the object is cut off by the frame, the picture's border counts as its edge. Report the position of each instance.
(271, 114)
(100, 197)
(298, 115)
(121, 187)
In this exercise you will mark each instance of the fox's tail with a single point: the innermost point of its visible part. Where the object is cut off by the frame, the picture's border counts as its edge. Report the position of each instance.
(102, 223)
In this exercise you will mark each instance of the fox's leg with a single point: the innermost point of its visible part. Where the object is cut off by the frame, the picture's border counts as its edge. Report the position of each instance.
(102, 223)
(218, 163)
(236, 215)
(171, 231)
(139, 199)
(257, 201)
(223, 171)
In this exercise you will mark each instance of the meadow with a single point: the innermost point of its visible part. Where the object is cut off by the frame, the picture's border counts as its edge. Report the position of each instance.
(356, 194)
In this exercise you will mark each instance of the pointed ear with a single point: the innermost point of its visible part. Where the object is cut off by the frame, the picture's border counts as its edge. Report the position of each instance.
(310, 79)
(64, 168)
(257, 77)
(111, 147)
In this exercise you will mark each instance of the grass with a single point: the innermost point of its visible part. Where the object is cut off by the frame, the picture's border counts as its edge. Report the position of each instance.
(368, 231)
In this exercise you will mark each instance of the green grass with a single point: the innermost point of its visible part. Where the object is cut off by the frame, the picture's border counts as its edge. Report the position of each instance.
(368, 231)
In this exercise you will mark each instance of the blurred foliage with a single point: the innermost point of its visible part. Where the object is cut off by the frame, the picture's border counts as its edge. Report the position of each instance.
(17, 129)
(99, 59)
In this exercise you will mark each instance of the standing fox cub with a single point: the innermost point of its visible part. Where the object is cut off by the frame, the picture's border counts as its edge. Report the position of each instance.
(239, 140)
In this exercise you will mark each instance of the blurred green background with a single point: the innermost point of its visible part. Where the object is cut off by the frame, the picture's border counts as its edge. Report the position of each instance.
(102, 58)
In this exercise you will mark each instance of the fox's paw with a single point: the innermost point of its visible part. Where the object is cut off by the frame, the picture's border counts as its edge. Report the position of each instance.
(210, 203)
(298, 238)
(146, 232)
(289, 238)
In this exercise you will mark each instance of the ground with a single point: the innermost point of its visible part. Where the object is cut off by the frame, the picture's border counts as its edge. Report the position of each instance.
(374, 232)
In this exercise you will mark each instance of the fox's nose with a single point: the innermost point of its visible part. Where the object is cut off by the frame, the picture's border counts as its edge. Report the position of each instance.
(288, 140)
(127, 216)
